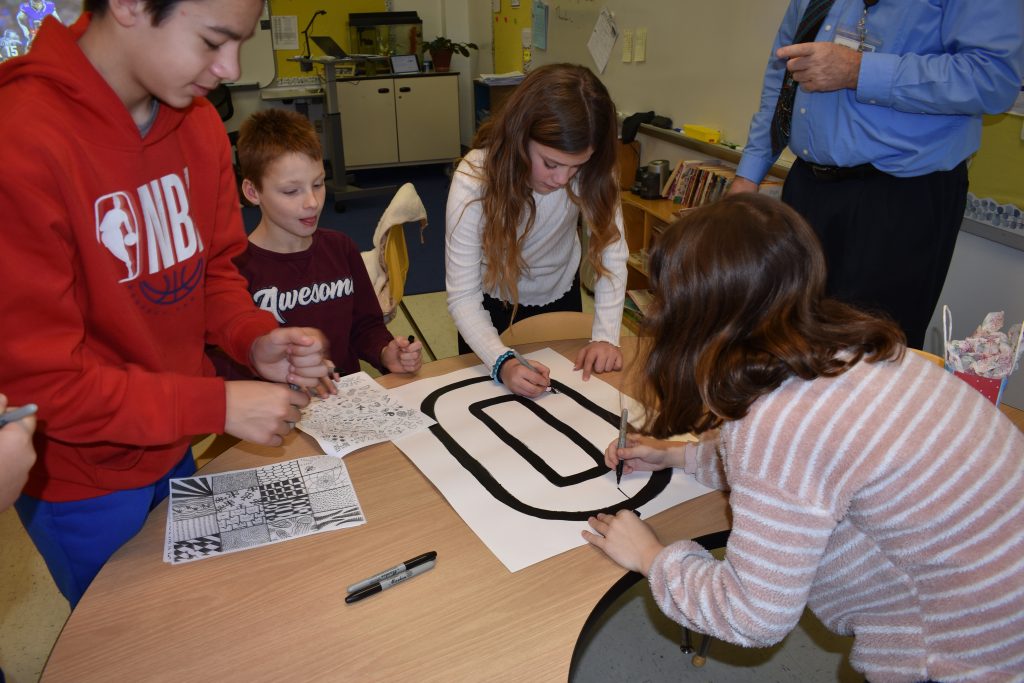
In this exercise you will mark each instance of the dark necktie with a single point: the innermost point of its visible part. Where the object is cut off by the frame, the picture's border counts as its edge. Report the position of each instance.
(806, 31)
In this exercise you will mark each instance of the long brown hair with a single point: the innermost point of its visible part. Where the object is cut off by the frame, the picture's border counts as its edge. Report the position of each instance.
(739, 307)
(566, 107)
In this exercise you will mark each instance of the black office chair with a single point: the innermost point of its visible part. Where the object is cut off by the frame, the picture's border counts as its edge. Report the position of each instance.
(711, 542)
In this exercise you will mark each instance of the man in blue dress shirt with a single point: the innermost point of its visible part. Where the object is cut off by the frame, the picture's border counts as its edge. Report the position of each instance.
(884, 108)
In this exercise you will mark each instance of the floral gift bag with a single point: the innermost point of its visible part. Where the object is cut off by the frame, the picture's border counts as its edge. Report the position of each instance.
(985, 359)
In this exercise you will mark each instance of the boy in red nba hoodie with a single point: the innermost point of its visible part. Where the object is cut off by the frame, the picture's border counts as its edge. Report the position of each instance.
(120, 222)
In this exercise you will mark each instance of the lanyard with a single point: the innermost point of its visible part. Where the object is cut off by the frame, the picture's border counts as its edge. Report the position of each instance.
(862, 25)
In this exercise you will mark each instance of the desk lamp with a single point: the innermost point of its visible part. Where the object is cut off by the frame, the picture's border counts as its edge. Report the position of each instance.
(308, 65)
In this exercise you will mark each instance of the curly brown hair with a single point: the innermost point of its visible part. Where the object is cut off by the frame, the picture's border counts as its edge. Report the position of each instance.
(739, 307)
(566, 107)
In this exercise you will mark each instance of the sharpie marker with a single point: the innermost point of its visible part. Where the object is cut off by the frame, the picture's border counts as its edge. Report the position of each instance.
(375, 588)
(525, 363)
(393, 571)
(17, 414)
(623, 424)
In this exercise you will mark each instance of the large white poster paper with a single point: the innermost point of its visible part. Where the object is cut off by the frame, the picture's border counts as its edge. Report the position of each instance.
(526, 474)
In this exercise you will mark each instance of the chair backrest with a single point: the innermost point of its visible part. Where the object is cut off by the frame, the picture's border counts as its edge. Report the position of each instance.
(930, 356)
(549, 327)
(387, 263)
(220, 97)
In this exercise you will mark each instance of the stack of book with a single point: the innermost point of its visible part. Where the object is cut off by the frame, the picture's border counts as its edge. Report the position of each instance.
(638, 302)
(695, 183)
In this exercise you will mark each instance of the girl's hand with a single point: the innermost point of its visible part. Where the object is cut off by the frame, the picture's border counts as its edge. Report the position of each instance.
(629, 542)
(644, 454)
(523, 381)
(598, 357)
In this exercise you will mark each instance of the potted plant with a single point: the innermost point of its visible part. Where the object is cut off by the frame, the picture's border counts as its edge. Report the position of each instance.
(441, 50)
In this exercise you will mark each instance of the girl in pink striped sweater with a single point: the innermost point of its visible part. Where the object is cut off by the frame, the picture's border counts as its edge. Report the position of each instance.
(865, 482)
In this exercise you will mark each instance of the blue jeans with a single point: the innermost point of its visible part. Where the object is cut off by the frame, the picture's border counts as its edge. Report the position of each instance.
(76, 538)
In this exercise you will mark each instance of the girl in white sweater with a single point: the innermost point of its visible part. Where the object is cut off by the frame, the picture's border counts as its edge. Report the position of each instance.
(512, 249)
(865, 482)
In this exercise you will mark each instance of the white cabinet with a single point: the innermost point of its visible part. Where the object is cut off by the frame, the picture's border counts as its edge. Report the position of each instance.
(399, 120)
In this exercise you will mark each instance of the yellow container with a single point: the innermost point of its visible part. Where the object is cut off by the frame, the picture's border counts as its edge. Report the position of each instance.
(703, 133)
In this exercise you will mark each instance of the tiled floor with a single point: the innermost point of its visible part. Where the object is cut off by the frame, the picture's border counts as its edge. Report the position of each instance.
(32, 612)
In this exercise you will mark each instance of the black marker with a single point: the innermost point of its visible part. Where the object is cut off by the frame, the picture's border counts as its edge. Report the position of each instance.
(623, 425)
(375, 588)
(392, 571)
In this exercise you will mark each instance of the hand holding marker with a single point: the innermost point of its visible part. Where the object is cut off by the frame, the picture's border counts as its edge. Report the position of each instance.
(526, 364)
(17, 414)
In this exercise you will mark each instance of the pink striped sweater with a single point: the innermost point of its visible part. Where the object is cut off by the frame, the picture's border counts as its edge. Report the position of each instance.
(890, 500)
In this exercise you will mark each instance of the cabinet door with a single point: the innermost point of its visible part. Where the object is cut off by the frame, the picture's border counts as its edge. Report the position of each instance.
(368, 121)
(427, 108)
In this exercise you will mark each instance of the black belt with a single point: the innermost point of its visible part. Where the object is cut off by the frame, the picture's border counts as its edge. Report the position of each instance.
(836, 173)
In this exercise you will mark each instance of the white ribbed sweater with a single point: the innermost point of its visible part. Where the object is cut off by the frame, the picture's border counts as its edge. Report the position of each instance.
(551, 252)
(890, 500)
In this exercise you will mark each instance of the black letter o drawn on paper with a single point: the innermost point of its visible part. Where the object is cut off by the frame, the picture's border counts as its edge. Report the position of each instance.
(657, 482)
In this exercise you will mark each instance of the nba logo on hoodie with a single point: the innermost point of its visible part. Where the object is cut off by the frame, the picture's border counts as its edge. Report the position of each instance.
(117, 228)
(151, 234)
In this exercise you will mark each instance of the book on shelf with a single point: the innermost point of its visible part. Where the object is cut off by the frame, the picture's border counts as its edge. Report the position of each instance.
(631, 313)
(695, 183)
(638, 260)
(641, 299)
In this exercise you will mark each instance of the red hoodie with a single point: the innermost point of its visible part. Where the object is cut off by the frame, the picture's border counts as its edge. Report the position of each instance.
(115, 270)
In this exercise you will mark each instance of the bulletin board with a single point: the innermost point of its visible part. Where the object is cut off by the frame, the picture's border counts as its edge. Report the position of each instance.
(995, 170)
(508, 25)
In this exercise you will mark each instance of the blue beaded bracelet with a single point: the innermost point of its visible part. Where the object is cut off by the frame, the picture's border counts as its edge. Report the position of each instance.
(496, 368)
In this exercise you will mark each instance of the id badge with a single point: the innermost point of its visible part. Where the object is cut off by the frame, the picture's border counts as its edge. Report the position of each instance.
(849, 37)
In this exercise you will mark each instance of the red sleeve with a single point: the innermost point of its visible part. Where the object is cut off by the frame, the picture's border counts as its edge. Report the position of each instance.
(232, 320)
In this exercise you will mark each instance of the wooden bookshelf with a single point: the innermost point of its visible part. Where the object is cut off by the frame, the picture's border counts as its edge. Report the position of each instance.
(642, 221)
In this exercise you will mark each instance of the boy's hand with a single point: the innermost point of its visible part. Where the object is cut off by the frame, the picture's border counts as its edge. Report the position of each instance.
(262, 412)
(16, 455)
(402, 355)
(294, 355)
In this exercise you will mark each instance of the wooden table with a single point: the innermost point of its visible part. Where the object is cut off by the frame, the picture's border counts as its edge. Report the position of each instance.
(278, 612)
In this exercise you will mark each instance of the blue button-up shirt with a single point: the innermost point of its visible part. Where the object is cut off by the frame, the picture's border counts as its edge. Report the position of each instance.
(939, 65)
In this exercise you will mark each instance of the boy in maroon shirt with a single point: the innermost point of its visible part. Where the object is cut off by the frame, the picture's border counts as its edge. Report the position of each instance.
(301, 274)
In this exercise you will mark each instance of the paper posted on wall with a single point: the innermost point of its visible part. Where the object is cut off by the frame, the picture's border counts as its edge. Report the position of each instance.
(602, 39)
